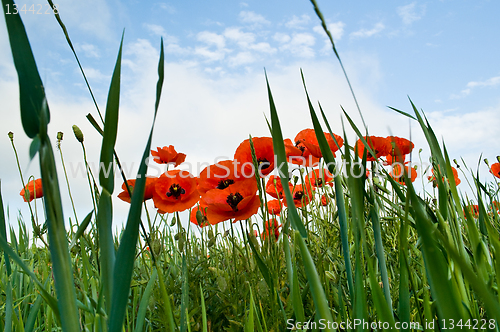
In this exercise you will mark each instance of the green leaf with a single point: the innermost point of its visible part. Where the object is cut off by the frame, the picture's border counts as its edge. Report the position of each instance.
(143, 306)
(125, 257)
(106, 174)
(31, 90)
(34, 147)
(282, 166)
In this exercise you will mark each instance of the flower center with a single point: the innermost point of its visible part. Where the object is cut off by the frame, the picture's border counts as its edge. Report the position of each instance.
(233, 200)
(175, 190)
(223, 184)
(263, 163)
(318, 182)
(298, 195)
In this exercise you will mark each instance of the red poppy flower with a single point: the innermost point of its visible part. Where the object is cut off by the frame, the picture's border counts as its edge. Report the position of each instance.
(168, 155)
(325, 200)
(32, 190)
(380, 145)
(316, 179)
(274, 187)
(198, 216)
(219, 176)
(302, 195)
(398, 175)
(298, 154)
(399, 147)
(275, 229)
(496, 205)
(474, 209)
(495, 170)
(148, 192)
(455, 175)
(238, 201)
(308, 138)
(175, 191)
(274, 206)
(263, 152)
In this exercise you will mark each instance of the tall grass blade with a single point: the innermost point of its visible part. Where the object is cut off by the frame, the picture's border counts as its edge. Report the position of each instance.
(184, 295)
(125, 257)
(282, 166)
(143, 306)
(35, 117)
(81, 229)
(31, 90)
(339, 191)
(317, 292)
(203, 310)
(3, 232)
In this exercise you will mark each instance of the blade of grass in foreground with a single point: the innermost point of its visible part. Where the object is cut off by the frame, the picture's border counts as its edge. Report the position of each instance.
(106, 179)
(143, 306)
(125, 257)
(35, 117)
(318, 294)
(282, 166)
(339, 191)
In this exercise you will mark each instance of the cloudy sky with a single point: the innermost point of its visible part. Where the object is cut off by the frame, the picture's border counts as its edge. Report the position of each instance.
(441, 54)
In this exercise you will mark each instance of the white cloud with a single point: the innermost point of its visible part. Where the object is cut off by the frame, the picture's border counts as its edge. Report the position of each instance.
(95, 74)
(208, 54)
(300, 44)
(298, 22)
(336, 30)
(409, 13)
(493, 81)
(89, 50)
(158, 30)
(211, 38)
(242, 58)
(255, 20)
(364, 33)
(168, 8)
(243, 39)
(281, 37)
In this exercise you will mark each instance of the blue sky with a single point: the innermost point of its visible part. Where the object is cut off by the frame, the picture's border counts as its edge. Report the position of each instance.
(442, 54)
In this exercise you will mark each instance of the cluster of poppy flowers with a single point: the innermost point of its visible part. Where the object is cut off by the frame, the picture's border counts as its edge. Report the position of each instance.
(228, 189)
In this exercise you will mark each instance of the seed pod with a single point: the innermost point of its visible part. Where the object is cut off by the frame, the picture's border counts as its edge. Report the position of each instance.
(11, 136)
(78, 133)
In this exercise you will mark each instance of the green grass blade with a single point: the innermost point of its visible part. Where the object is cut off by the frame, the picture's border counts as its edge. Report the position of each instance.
(298, 306)
(379, 249)
(81, 229)
(282, 166)
(106, 175)
(106, 246)
(203, 310)
(249, 326)
(143, 306)
(8, 307)
(317, 292)
(339, 191)
(30, 322)
(49, 299)
(3, 232)
(262, 266)
(184, 295)
(404, 113)
(31, 90)
(125, 257)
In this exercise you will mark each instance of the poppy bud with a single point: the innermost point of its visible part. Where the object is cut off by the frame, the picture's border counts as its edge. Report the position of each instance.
(11, 136)
(59, 135)
(78, 133)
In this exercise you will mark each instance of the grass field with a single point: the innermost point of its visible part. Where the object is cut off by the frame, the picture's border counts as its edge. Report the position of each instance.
(359, 249)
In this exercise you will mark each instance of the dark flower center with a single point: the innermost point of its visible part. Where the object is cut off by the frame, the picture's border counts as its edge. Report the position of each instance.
(175, 190)
(298, 195)
(233, 200)
(299, 146)
(263, 163)
(318, 182)
(223, 184)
